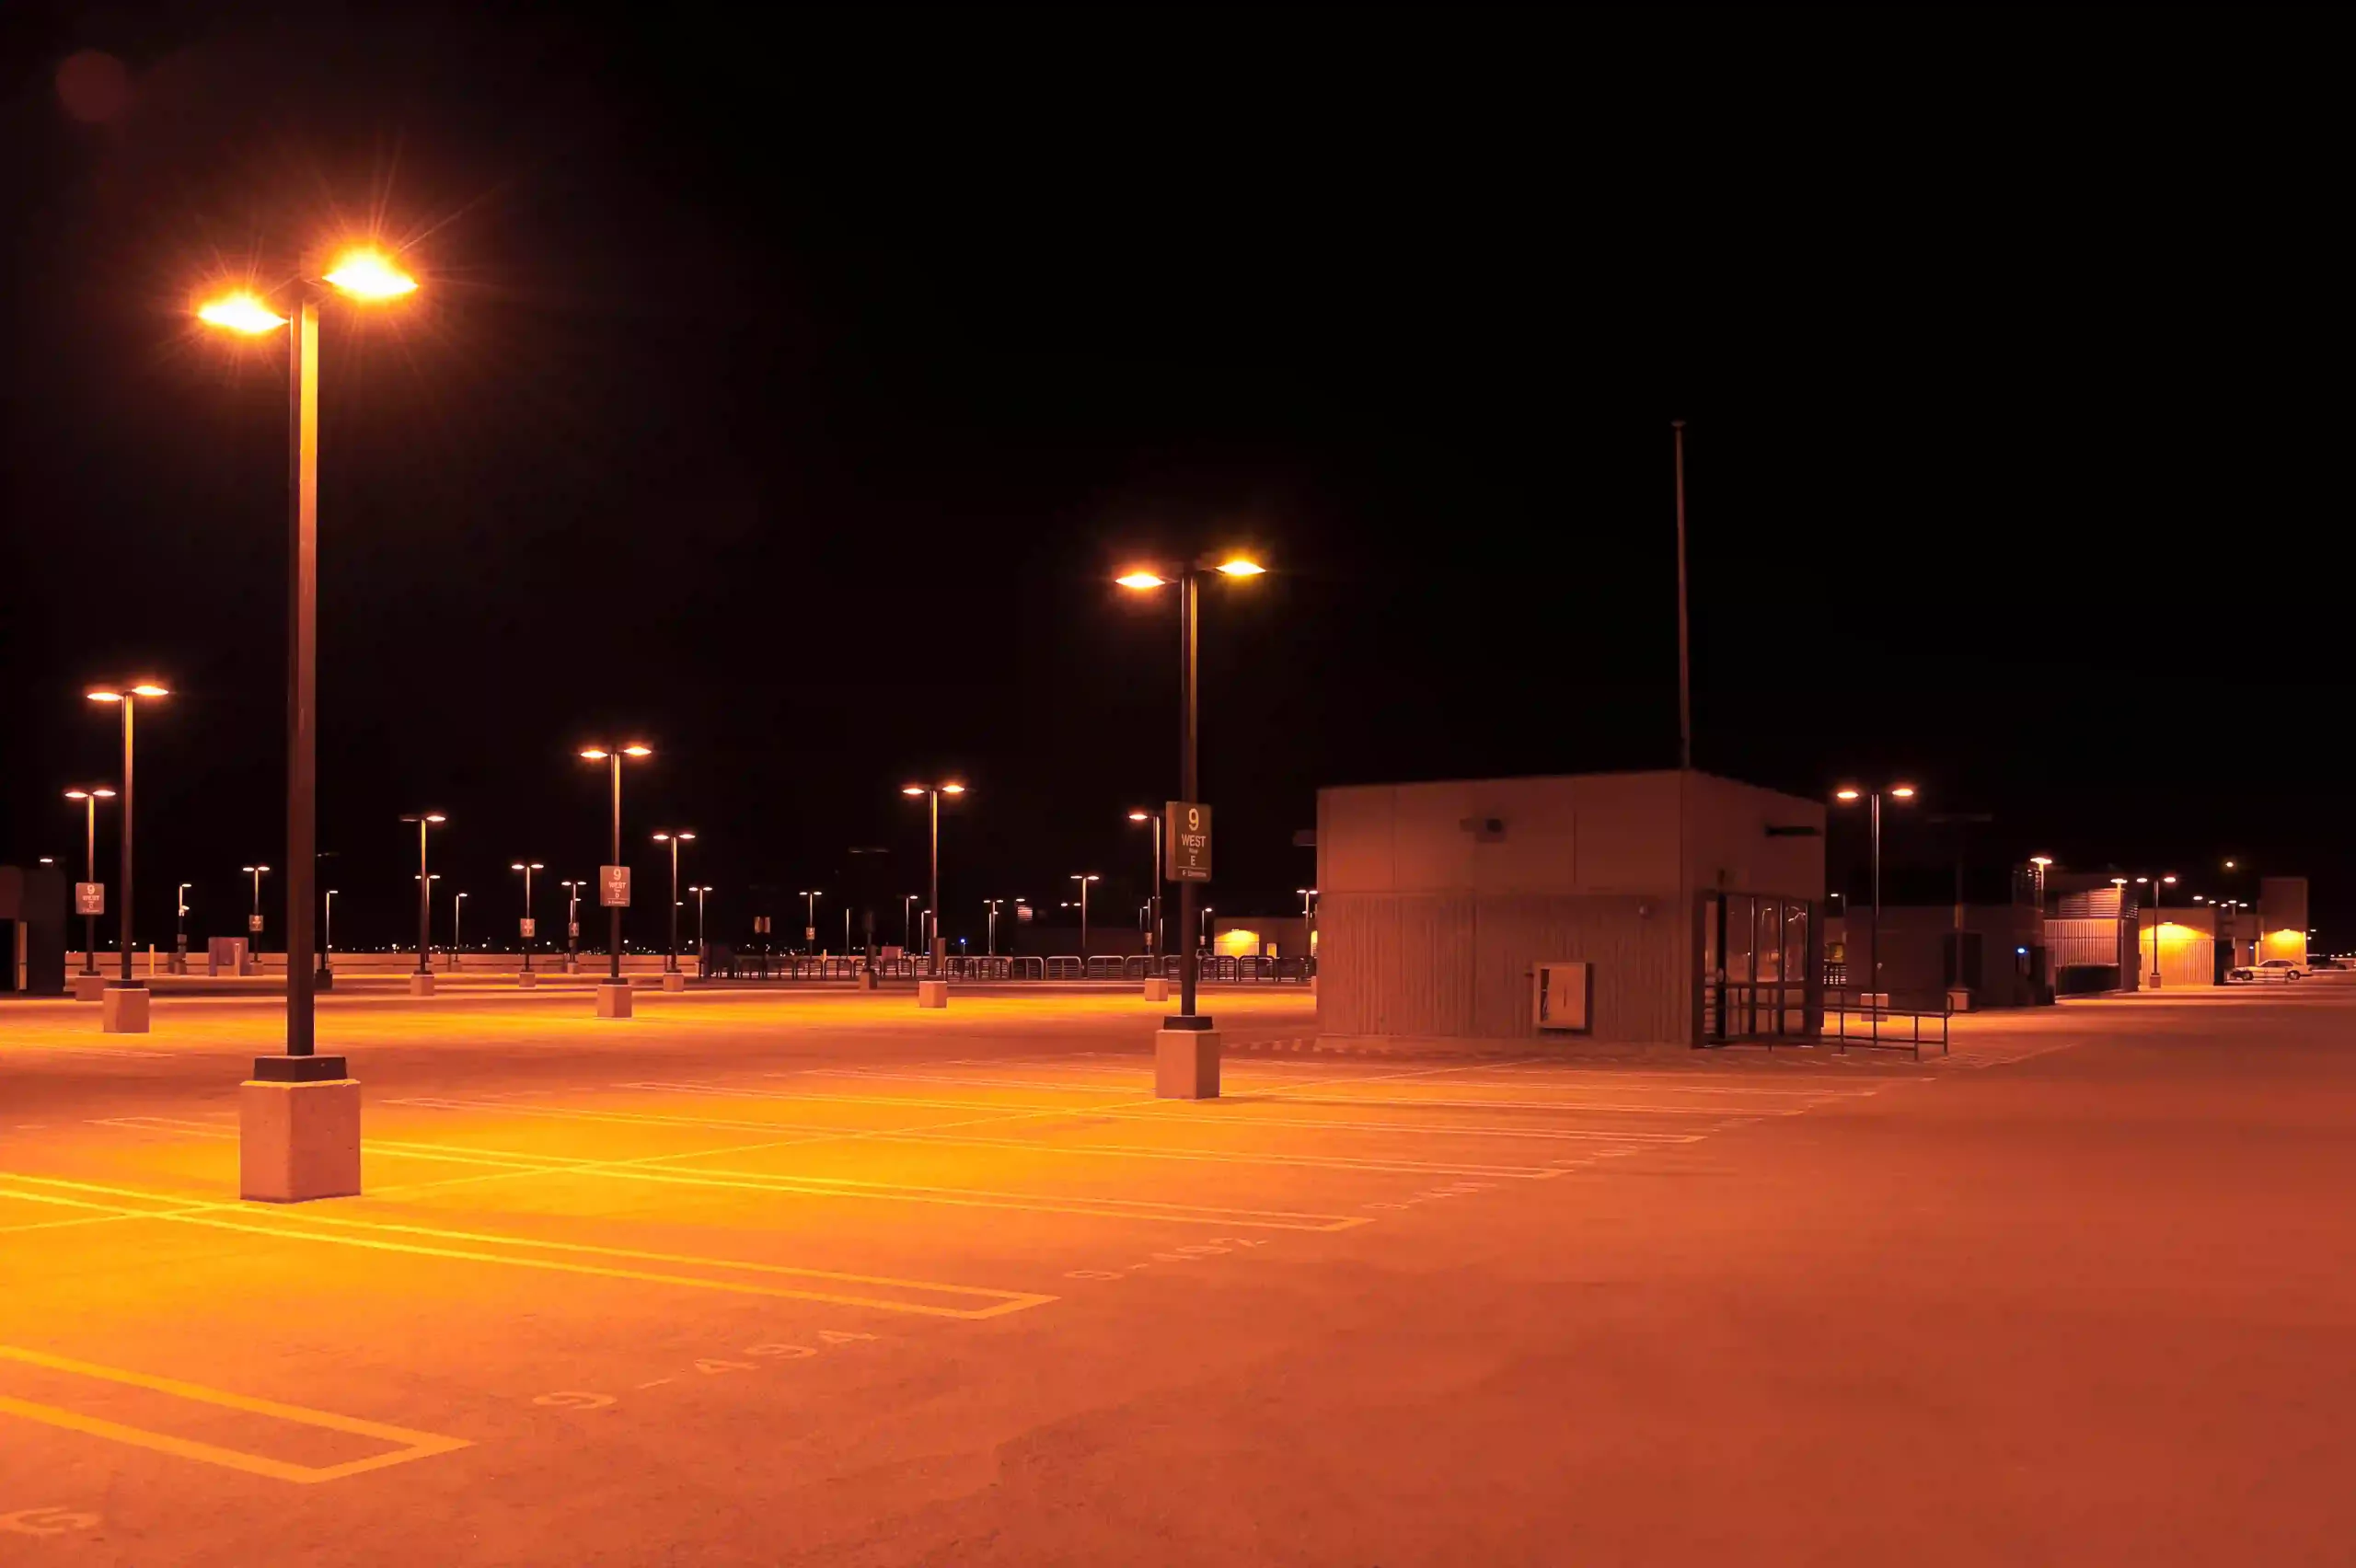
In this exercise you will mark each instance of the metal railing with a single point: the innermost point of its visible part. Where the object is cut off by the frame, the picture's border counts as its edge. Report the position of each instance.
(1867, 1020)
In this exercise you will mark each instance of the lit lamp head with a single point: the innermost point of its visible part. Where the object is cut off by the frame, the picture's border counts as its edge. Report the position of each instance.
(1140, 816)
(2040, 859)
(1240, 566)
(117, 694)
(1141, 579)
(1848, 792)
(101, 793)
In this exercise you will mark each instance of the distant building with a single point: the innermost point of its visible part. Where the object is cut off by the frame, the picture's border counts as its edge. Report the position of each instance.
(1669, 906)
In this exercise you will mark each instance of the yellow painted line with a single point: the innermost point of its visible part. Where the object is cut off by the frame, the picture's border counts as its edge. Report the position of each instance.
(1429, 1102)
(960, 1197)
(1173, 1112)
(410, 1444)
(1211, 1156)
(1002, 1301)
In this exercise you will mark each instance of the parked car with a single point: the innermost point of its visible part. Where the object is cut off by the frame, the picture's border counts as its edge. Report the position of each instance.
(2272, 969)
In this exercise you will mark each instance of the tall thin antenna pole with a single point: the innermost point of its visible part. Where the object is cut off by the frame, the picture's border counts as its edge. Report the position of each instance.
(1684, 633)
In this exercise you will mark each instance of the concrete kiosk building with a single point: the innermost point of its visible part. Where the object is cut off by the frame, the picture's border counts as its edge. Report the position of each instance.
(1669, 906)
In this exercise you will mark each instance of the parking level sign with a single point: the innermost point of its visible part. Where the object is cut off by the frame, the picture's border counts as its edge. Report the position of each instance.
(613, 887)
(1186, 839)
(89, 898)
(531, 927)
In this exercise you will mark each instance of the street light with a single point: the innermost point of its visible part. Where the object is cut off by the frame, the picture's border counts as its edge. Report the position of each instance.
(253, 920)
(1849, 794)
(179, 928)
(127, 697)
(1153, 899)
(90, 798)
(702, 953)
(2157, 884)
(1083, 878)
(1187, 579)
(810, 897)
(361, 275)
(457, 928)
(612, 757)
(1203, 935)
(572, 923)
(908, 920)
(671, 961)
(526, 930)
(933, 793)
(1308, 896)
(326, 932)
(424, 892)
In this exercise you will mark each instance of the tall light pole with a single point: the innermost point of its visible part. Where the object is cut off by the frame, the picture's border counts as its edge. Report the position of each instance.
(327, 930)
(425, 893)
(253, 919)
(1848, 794)
(1153, 898)
(908, 920)
(2157, 883)
(361, 275)
(671, 960)
(1188, 577)
(90, 798)
(810, 897)
(991, 905)
(615, 898)
(526, 930)
(1083, 878)
(702, 953)
(457, 928)
(1308, 901)
(933, 793)
(133, 1021)
(572, 923)
(1684, 657)
(179, 927)
(1203, 936)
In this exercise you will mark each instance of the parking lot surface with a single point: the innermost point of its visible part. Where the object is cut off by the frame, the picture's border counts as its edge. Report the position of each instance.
(819, 1278)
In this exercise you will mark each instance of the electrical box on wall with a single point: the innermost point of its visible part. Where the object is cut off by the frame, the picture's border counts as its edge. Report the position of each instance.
(1559, 994)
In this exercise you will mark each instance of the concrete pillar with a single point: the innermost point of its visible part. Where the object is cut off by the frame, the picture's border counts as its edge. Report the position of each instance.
(123, 1009)
(298, 1141)
(525, 979)
(932, 993)
(612, 998)
(88, 987)
(863, 981)
(1186, 1064)
(1157, 989)
(675, 981)
(420, 985)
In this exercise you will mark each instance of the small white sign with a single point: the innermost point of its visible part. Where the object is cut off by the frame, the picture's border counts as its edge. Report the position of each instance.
(89, 898)
(253, 924)
(531, 927)
(613, 887)
(573, 927)
(809, 933)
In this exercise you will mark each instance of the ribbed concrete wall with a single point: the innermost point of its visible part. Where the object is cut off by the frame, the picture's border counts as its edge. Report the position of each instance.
(1457, 965)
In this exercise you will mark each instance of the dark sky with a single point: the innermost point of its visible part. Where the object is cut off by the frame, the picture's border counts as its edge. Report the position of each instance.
(786, 393)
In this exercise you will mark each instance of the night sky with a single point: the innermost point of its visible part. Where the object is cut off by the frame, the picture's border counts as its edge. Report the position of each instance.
(787, 395)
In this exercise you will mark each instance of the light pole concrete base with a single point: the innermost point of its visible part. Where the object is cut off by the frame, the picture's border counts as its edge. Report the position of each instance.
(612, 998)
(420, 985)
(123, 1009)
(675, 981)
(572, 967)
(525, 979)
(1157, 989)
(298, 1141)
(1186, 1064)
(863, 981)
(90, 988)
(932, 993)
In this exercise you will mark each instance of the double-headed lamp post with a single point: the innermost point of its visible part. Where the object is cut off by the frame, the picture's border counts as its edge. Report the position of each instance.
(1083, 878)
(1187, 578)
(127, 696)
(991, 905)
(526, 931)
(253, 919)
(424, 890)
(363, 275)
(673, 838)
(1153, 898)
(2156, 883)
(572, 919)
(457, 928)
(700, 891)
(1849, 794)
(612, 757)
(810, 897)
(90, 798)
(933, 793)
